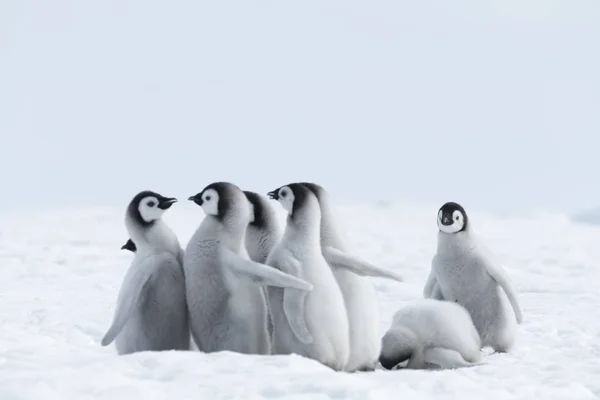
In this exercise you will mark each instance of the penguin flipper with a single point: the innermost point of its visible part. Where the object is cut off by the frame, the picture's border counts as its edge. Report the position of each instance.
(436, 292)
(294, 302)
(446, 358)
(139, 284)
(261, 274)
(340, 259)
(501, 277)
(432, 288)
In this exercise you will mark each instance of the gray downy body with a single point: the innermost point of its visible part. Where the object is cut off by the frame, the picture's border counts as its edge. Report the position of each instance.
(226, 301)
(463, 271)
(431, 334)
(321, 311)
(262, 234)
(358, 292)
(151, 312)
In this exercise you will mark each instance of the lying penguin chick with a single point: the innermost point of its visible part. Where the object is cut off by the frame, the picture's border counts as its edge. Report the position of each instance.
(431, 334)
(227, 305)
(151, 313)
(464, 271)
(129, 245)
(359, 295)
(311, 324)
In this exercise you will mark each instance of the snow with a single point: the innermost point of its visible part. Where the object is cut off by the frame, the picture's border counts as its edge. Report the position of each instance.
(61, 271)
(587, 217)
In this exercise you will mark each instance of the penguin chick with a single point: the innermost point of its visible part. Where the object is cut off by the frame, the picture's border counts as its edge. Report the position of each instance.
(464, 271)
(431, 334)
(262, 234)
(151, 313)
(311, 324)
(359, 295)
(227, 304)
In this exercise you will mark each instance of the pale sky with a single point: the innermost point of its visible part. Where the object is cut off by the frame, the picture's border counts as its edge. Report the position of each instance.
(495, 104)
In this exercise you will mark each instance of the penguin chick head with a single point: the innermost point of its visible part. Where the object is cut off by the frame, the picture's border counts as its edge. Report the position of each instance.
(317, 189)
(222, 200)
(300, 203)
(285, 196)
(396, 347)
(147, 207)
(292, 197)
(452, 218)
(129, 245)
(257, 208)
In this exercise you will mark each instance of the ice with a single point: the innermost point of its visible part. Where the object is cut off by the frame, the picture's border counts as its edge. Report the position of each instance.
(61, 271)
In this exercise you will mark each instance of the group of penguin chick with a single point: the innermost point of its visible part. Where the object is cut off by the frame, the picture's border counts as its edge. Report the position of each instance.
(243, 286)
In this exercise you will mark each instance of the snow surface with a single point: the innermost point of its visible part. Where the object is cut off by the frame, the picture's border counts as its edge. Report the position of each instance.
(61, 272)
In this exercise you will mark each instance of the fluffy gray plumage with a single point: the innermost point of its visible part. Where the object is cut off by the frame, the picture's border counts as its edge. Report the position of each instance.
(226, 302)
(464, 271)
(359, 295)
(313, 324)
(262, 234)
(431, 334)
(151, 312)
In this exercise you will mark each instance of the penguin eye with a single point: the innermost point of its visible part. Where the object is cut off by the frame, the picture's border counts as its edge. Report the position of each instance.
(207, 198)
(150, 203)
(283, 194)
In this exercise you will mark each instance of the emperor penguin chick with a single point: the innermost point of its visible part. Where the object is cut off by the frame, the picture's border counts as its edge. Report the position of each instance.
(263, 231)
(431, 334)
(262, 234)
(311, 324)
(464, 271)
(227, 305)
(151, 312)
(359, 295)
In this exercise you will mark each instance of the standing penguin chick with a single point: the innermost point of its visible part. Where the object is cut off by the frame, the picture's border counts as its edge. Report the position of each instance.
(429, 333)
(262, 234)
(313, 324)
(463, 271)
(226, 303)
(263, 231)
(151, 313)
(129, 245)
(359, 295)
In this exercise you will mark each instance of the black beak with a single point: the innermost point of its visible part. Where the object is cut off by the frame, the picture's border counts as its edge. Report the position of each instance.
(387, 363)
(197, 198)
(166, 202)
(446, 220)
(274, 195)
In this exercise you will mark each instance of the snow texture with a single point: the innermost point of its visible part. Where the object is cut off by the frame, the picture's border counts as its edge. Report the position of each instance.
(61, 272)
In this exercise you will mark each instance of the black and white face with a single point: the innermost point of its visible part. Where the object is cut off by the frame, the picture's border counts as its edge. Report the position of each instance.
(452, 218)
(150, 206)
(208, 199)
(223, 200)
(285, 196)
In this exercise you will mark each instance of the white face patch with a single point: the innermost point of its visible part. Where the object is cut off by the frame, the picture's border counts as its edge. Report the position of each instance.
(458, 222)
(210, 202)
(148, 208)
(286, 198)
(251, 206)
